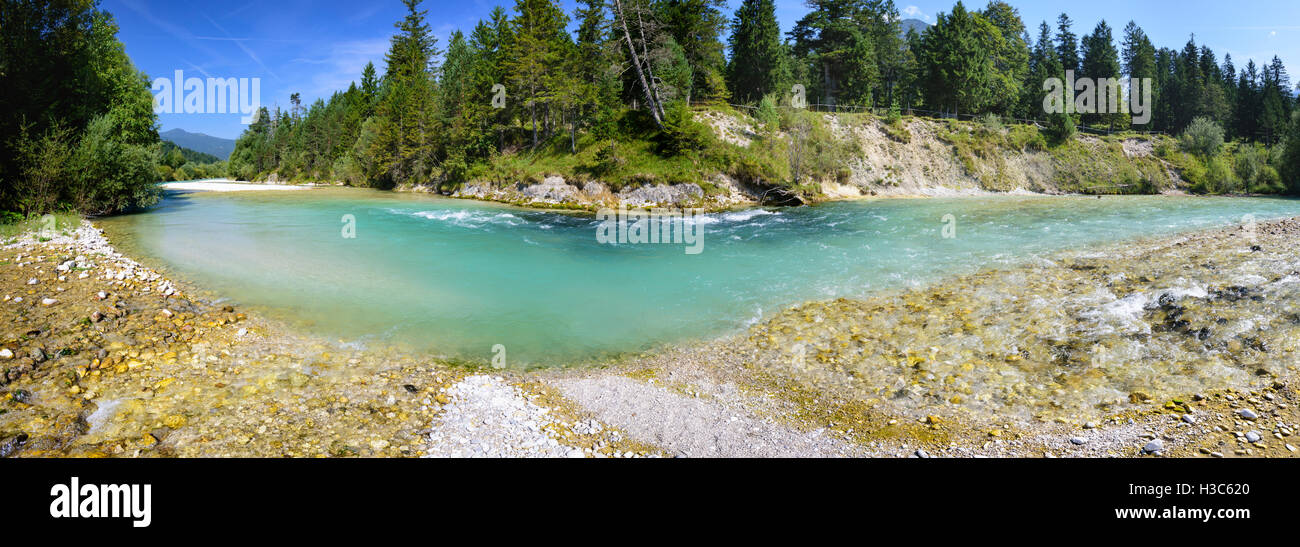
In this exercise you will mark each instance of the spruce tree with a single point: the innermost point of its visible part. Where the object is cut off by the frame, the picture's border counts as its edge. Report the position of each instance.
(757, 57)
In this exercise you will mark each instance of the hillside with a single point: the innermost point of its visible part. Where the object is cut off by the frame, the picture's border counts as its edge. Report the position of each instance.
(841, 156)
(199, 142)
(912, 24)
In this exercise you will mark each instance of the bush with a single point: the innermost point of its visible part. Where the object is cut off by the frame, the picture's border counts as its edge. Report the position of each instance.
(1249, 163)
(767, 114)
(44, 164)
(1202, 137)
(682, 134)
(1026, 138)
(109, 175)
(1060, 127)
(991, 123)
(1219, 178)
(1269, 182)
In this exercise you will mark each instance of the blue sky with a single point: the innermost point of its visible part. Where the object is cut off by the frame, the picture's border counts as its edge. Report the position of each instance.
(315, 48)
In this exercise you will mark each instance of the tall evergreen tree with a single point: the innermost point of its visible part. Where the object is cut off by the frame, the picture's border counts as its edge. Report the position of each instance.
(1101, 62)
(757, 65)
(1067, 44)
(405, 114)
(956, 63)
(696, 26)
(535, 54)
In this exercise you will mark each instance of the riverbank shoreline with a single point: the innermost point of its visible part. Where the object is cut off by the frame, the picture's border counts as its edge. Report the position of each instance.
(105, 357)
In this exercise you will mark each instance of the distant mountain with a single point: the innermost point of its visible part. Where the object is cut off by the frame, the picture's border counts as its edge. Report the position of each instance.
(908, 24)
(199, 142)
(191, 156)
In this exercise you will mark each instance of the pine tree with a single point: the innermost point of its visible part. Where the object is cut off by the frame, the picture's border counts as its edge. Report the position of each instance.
(696, 26)
(1043, 65)
(534, 57)
(957, 67)
(405, 116)
(1067, 44)
(1101, 63)
(369, 88)
(757, 57)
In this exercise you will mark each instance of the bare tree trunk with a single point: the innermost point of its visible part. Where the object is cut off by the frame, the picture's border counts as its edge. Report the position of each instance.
(636, 63)
(645, 54)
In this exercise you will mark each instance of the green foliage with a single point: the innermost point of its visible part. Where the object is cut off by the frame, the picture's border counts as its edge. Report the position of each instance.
(1203, 137)
(1288, 163)
(1060, 127)
(682, 135)
(767, 114)
(758, 66)
(70, 95)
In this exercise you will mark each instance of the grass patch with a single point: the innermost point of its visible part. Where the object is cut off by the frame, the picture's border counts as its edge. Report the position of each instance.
(14, 225)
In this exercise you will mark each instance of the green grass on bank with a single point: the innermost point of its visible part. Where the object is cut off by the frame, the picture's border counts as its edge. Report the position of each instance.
(13, 225)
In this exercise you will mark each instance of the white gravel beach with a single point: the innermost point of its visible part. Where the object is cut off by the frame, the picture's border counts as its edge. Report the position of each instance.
(226, 185)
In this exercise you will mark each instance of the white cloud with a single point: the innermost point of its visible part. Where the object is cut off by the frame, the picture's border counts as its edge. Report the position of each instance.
(914, 12)
(344, 63)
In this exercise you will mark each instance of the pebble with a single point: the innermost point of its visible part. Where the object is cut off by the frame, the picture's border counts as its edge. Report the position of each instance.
(1078, 440)
(1247, 414)
(1252, 436)
(48, 301)
(6, 353)
(1154, 446)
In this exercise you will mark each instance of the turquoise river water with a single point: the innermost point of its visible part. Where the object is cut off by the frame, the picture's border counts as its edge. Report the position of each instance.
(457, 277)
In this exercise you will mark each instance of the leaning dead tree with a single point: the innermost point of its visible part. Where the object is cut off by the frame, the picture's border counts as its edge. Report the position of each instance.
(641, 60)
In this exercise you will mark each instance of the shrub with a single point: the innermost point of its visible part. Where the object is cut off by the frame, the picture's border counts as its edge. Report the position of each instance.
(767, 114)
(681, 133)
(991, 123)
(1269, 182)
(1248, 164)
(110, 175)
(1060, 127)
(1219, 177)
(1203, 137)
(1026, 138)
(44, 162)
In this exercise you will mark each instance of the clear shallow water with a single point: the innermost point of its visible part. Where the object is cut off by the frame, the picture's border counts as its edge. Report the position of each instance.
(457, 277)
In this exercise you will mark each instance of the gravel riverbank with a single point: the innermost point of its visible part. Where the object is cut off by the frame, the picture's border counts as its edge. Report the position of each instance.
(1180, 346)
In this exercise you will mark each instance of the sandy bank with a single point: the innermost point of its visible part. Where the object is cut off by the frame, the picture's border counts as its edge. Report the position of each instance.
(226, 185)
